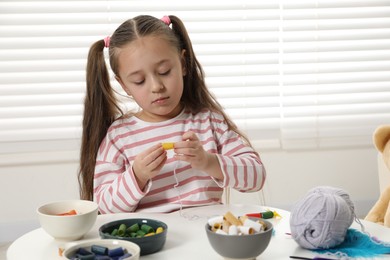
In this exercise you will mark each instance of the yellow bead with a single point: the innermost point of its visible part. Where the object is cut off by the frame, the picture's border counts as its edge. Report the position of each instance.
(159, 230)
(167, 146)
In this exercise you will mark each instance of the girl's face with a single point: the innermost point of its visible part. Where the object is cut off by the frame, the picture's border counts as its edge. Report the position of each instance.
(151, 71)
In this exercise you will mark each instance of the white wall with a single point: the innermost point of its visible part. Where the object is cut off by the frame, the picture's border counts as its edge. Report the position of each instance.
(24, 188)
(290, 176)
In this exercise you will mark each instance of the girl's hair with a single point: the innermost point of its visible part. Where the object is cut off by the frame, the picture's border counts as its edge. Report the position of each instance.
(101, 106)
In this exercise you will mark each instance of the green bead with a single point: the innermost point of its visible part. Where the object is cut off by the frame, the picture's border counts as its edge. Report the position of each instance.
(267, 214)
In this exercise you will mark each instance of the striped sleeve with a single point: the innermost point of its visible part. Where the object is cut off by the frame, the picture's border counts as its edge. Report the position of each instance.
(115, 186)
(241, 166)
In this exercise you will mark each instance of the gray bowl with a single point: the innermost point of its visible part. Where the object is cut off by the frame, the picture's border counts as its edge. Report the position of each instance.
(240, 246)
(148, 244)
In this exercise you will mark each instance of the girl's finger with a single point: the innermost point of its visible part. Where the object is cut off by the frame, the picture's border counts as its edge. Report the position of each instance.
(155, 155)
(189, 136)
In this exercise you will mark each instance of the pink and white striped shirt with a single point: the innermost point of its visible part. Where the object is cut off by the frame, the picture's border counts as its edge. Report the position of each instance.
(177, 184)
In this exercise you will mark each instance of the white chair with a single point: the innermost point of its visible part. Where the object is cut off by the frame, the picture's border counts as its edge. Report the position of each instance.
(235, 197)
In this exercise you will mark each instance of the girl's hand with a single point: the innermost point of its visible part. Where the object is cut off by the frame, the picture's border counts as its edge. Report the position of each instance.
(191, 151)
(148, 164)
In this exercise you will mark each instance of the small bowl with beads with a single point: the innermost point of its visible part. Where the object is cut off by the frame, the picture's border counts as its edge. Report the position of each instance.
(149, 234)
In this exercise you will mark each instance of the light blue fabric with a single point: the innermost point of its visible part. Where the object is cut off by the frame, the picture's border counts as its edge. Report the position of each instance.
(358, 244)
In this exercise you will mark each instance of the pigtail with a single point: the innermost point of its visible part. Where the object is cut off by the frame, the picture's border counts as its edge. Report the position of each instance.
(194, 85)
(196, 95)
(100, 110)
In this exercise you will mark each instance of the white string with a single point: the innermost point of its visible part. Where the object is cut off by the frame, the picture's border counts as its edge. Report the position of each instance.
(182, 214)
(176, 186)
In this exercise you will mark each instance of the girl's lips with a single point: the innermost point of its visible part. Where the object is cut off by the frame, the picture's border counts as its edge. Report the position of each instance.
(160, 100)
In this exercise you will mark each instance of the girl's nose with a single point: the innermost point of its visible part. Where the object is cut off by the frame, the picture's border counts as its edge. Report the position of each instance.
(157, 85)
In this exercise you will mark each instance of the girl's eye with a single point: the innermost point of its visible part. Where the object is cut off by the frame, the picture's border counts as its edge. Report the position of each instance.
(139, 82)
(165, 73)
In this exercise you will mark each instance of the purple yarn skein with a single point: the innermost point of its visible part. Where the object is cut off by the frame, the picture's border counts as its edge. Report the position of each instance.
(321, 219)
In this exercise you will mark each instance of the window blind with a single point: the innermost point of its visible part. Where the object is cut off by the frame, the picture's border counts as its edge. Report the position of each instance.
(292, 74)
(335, 87)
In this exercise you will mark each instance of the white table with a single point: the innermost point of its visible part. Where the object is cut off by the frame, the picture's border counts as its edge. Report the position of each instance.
(186, 235)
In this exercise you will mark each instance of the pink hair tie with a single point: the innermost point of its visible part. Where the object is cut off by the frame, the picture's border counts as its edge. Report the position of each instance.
(166, 20)
(107, 41)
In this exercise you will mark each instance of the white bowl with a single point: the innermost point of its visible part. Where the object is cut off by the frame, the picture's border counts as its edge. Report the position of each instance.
(127, 246)
(71, 227)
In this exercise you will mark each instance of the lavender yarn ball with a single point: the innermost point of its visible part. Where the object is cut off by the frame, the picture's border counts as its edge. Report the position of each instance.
(321, 219)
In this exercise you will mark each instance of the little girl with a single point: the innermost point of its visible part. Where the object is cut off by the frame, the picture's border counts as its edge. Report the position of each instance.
(124, 166)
